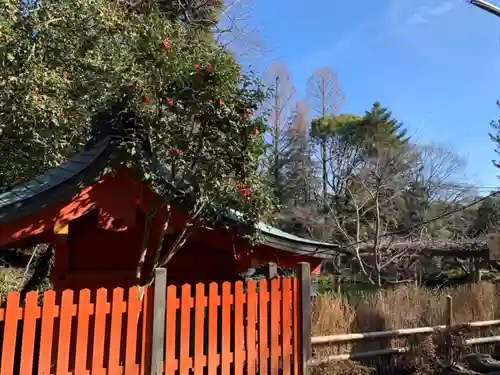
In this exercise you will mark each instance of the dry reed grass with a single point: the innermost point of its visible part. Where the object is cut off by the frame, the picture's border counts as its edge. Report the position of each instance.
(403, 307)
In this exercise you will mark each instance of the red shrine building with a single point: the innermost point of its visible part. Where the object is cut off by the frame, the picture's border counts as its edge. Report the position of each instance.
(95, 221)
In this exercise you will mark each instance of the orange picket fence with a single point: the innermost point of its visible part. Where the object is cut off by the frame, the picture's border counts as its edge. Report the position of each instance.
(229, 328)
(61, 335)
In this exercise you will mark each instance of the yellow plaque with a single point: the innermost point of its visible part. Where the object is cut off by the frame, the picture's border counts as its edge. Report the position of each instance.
(58, 229)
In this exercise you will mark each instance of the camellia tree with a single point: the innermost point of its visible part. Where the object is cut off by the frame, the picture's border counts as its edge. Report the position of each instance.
(65, 63)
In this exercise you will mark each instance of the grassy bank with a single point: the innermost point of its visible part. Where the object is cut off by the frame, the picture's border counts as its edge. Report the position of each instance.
(403, 307)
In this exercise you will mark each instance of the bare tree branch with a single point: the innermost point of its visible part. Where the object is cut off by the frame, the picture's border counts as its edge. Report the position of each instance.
(325, 97)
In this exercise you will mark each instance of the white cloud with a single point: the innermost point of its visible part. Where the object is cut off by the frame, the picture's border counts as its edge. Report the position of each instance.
(349, 38)
(404, 13)
(440, 9)
(424, 13)
(346, 41)
(416, 19)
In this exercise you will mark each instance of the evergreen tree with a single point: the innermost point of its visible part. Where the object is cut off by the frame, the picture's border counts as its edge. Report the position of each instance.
(342, 154)
(378, 128)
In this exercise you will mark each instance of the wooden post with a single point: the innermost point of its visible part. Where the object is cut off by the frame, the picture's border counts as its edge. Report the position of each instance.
(158, 329)
(338, 278)
(477, 269)
(270, 270)
(418, 273)
(305, 326)
(415, 273)
(333, 280)
(449, 323)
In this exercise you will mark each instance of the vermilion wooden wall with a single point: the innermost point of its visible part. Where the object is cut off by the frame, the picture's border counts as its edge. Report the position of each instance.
(98, 237)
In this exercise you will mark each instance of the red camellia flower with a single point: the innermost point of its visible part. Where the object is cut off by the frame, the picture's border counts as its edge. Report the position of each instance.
(197, 67)
(209, 66)
(242, 189)
(170, 101)
(166, 43)
(175, 150)
(255, 131)
(146, 99)
(219, 102)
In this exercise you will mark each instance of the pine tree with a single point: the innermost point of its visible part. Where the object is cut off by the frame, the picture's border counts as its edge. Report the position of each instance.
(377, 128)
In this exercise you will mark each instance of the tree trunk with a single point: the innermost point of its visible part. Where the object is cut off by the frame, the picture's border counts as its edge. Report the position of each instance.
(325, 172)
(376, 245)
(276, 138)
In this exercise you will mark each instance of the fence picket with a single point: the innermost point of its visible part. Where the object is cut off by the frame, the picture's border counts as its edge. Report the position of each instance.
(286, 345)
(133, 309)
(226, 328)
(10, 334)
(213, 308)
(239, 333)
(100, 311)
(31, 312)
(295, 315)
(200, 302)
(82, 332)
(146, 310)
(172, 305)
(64, 342)
(186, 303)
(263, 326)
(251, 341)
(274, 305)
(49, 310)
(115, 333)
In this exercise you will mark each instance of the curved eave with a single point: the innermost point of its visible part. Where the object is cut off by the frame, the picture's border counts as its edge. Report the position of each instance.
(300, 248)
(278, 239)
(56, 185)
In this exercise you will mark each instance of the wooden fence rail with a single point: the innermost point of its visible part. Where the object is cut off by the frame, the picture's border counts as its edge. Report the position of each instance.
(352, 337)
(218, 328)
(396, 333)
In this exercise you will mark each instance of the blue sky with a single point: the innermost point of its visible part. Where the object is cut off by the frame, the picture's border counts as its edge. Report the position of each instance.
(434, 63)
